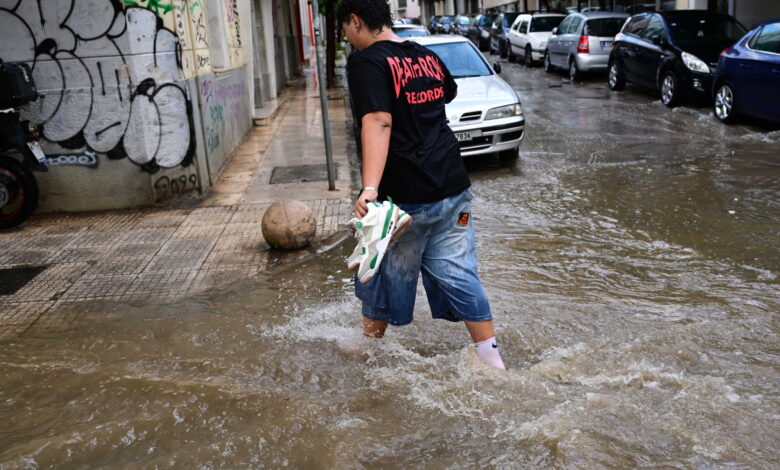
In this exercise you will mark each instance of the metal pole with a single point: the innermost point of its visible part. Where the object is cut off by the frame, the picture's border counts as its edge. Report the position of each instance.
(323, 96)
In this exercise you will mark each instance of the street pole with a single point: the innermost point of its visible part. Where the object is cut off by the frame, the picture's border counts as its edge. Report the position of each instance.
(323, 96)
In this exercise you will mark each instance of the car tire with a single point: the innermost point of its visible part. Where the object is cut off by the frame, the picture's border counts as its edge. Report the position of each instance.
(18, 187)
(528, 59)
(616, 78)
(723, 106)
(574, 72)
(671, 92)
(548, 66)
(509, 155)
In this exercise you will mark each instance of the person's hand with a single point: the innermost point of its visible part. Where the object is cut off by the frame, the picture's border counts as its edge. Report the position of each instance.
(360, 205)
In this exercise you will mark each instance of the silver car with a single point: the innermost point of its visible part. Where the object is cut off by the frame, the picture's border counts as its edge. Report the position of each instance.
(582, 43)
(486, 116)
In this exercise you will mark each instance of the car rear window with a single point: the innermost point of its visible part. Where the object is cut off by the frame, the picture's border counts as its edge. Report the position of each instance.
(704, 28)
(545, 23)
(604, 27)
(461, 59)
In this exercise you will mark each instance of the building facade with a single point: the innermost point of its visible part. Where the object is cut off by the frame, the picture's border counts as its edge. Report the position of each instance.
(145, 100)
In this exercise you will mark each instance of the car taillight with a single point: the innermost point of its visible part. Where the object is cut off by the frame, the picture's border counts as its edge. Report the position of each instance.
(725, 51)
(584, 46)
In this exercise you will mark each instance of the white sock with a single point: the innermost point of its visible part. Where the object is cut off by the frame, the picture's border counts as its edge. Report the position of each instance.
(487, 351)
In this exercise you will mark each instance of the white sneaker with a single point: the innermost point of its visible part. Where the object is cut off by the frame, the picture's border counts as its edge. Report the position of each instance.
(382, 225)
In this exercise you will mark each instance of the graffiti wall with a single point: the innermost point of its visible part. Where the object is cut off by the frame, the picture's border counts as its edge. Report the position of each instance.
(118, 80)
(225, 112)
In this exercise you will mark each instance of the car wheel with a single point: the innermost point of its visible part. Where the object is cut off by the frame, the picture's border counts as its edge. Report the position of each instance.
(671, 95)
(548, 66)
(724, 103)
(574, 73)
(617, 79)
(508, 155)
(528, 59)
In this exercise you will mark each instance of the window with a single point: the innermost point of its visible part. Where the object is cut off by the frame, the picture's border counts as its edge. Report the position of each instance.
(654, 28)
(461, 59)
(574, 26)
(565, 25)
(604, 27)
(704, 26)
(545, 23)
(636, 25)
(524, 27)
(768, 40)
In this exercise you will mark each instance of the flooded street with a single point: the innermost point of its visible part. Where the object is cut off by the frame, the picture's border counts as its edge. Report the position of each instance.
(631, 256)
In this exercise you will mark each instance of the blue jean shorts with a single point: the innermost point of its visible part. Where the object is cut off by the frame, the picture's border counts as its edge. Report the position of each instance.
(439, 244)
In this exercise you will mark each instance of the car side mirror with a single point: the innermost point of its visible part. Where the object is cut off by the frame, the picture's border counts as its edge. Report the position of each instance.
(497, 67)
(656, 39)
(554, 31)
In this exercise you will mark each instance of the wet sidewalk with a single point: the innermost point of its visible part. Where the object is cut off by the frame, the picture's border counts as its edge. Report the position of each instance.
(168, 253)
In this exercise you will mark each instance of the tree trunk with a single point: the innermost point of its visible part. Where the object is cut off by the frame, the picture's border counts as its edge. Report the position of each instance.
(331, 37)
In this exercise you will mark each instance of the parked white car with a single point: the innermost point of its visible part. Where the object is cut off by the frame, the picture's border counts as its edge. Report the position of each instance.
(486, 115)
(529, 34)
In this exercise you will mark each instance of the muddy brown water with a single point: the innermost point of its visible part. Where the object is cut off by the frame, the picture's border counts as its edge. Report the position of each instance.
(631, 258)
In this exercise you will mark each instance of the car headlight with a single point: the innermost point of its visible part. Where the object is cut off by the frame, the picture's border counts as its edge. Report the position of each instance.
(504, 112)
(694, 63)
(485, 34)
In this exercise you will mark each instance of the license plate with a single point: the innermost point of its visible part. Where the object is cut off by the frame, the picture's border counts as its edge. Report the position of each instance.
(35, 147)
(463, 136)
(606, 44)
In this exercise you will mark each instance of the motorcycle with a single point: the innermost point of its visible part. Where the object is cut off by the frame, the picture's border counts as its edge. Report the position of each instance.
(18, 187)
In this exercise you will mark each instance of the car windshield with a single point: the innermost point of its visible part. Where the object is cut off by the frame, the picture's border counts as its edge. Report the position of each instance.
(487, 20)
(604, 27)
(461, 59)
(411, 32)
(446, 20)
(704, 28)
(463, 20)
(509, 18)
(544, 24)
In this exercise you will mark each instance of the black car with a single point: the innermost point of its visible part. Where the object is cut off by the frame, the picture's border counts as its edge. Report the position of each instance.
(499, 33)
(479, 33)
(675, 52)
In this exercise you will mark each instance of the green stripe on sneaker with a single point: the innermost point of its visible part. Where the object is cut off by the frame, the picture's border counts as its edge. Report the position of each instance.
(387, 220)
(373, 261)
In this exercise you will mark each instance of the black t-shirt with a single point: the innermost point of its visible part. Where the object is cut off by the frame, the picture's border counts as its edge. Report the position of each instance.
(411, 83)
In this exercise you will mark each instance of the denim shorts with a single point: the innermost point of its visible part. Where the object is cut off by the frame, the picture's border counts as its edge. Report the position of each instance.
(440, 244)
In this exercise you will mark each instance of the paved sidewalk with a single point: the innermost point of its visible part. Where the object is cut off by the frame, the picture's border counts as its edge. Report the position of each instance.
(161, 253)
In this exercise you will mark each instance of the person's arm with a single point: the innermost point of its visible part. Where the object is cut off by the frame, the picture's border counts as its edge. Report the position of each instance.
(375, 137)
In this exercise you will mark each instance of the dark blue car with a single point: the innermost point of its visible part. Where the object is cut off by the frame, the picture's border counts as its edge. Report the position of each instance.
(747, 78)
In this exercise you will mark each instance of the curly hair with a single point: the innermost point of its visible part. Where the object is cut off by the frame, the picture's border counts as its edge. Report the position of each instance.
(375, 13)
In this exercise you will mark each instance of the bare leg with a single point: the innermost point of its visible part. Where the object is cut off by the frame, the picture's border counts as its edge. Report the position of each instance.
(374, 328)
(480, 330)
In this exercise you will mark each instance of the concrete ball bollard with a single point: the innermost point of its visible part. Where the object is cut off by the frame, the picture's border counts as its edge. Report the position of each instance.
(288, 225)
